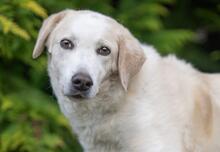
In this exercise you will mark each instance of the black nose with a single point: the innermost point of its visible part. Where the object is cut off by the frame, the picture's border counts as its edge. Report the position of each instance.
(82, 82)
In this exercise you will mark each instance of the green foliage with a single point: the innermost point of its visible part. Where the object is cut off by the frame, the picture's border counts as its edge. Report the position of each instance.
(147, 21)
(10, 26)
(168, 40)
(30, 119)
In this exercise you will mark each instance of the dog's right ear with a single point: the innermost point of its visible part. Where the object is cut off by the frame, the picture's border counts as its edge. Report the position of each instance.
(48, 25)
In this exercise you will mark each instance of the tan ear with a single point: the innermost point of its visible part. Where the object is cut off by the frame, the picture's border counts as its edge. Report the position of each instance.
(131, 57)
(48, 25)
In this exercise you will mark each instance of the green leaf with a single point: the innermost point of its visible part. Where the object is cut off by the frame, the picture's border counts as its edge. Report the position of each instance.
(10, 26)
(34, 7)
(209, 17)
(6, 104)
(149, 23)
(215, 55)
(171, 40)
(52, 141)
(153, 8)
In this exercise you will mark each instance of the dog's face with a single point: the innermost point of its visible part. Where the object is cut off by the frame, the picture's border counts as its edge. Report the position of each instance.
(85, 49)
(84, 52)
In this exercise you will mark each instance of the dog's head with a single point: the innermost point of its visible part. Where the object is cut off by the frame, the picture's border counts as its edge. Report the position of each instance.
(86, 48)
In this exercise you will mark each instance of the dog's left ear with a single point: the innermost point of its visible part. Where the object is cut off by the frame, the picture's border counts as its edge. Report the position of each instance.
(131, 57)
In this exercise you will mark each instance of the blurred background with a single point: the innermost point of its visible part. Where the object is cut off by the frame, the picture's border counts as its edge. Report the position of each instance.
(30, 119)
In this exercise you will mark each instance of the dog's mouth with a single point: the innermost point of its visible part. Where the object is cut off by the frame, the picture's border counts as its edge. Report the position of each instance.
(77, 94)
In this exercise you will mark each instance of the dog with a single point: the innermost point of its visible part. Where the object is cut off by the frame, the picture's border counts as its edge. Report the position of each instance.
(120, 95)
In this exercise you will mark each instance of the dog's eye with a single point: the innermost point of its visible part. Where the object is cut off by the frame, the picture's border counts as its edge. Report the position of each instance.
(66, 44)
(103, 51)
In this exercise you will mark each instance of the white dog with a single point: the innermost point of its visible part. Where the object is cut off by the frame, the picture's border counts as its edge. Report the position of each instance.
(120, 96)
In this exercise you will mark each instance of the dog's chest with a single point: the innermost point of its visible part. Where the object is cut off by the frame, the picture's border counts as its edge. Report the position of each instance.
(100, 135)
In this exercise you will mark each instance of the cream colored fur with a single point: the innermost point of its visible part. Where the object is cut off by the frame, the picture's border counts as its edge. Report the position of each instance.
(140, 101)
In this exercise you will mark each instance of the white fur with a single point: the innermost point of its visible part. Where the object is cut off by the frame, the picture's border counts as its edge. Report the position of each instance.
(156, 114)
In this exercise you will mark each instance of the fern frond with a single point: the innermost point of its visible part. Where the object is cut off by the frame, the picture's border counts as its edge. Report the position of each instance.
(6, 24)
(215, 55)
(163, 1)
(34, 7)
(6, 104)
(10, 26)
(209, 17)
(153, 8)
(171, 40)
(149, 23)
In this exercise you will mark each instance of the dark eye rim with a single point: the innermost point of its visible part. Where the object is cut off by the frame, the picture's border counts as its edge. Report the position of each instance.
(66, 44)
(103, 50)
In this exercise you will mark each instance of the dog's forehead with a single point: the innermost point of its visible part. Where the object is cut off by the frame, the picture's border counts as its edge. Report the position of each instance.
(85, 25)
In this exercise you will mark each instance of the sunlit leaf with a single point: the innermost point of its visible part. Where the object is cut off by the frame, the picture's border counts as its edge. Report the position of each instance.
(215, 55)
(10, 26)
(35, 8)
(149, 23)
(171, 40)
(153, 8)
(6, 104)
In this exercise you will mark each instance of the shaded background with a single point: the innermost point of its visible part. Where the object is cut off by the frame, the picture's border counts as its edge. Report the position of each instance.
(30, 119)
